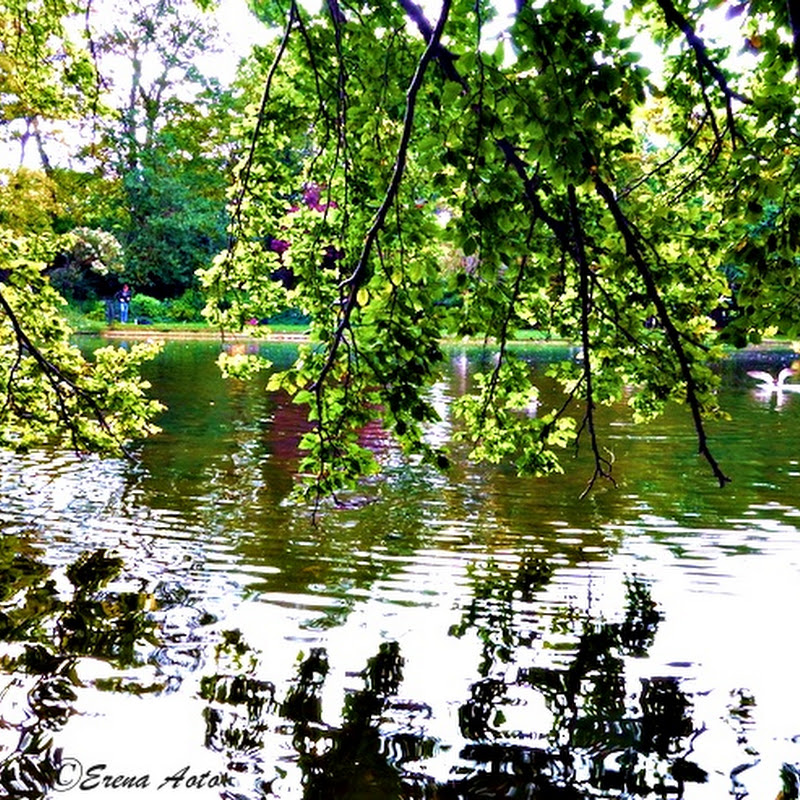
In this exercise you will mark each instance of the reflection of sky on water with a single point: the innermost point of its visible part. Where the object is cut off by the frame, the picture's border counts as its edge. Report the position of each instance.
(728, 628)
(207, 514)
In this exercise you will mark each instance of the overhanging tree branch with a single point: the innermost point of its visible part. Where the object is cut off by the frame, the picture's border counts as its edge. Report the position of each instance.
(564, 232)
(674, 17)
(673, 335)
(507, 317)
(705, 62)
(62, 385)
(443, 56)
(361, 270)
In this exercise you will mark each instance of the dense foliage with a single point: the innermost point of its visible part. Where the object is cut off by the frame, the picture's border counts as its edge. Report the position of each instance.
(133, 146)
(411, 177)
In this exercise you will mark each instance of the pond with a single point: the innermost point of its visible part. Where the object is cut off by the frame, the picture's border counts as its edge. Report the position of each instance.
(175, 626)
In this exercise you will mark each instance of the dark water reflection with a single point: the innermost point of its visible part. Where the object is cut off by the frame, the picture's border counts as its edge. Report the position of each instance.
(464, 635)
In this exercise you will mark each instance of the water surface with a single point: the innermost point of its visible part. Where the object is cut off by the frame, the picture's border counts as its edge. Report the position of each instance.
(469, 634)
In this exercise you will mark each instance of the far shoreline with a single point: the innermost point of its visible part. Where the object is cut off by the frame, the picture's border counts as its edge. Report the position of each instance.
(298, 337)
(148, 332)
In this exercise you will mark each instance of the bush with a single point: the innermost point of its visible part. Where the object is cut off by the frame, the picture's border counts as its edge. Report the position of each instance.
(93, 309)
(144, 307)
(187, 308)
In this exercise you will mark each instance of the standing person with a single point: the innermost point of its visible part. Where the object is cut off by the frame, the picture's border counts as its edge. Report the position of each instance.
(123, 297)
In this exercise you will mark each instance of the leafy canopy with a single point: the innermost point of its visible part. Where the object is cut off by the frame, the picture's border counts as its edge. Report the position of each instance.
(165, 148)
(411, 177)
(410, 174)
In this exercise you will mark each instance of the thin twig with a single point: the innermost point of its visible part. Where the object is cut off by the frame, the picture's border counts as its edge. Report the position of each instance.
(248, 164)
(602, 466)
(510, 310)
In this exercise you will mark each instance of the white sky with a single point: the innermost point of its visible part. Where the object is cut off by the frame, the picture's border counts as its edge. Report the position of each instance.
(239, 31)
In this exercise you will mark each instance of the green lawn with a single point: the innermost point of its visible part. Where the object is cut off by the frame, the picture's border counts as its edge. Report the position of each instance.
(83, 324)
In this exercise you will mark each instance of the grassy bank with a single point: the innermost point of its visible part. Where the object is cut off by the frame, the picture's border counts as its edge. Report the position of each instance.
(84, 325)
(87, 326)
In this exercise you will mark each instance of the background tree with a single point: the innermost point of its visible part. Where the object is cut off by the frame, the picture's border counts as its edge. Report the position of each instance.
(166, 149)
(46, 72)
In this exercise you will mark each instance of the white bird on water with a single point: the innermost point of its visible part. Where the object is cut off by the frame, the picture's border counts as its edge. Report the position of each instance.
(770, 384)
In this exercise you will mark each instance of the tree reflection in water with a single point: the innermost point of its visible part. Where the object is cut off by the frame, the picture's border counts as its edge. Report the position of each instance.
(44, 635)
(603, 740)
(50, 622)
(599, 737)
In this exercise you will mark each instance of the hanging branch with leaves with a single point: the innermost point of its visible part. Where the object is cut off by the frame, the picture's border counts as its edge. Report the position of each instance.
(532, 171)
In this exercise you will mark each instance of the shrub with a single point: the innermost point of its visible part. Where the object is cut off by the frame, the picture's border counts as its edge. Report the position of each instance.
(187, 308)
(146, 307)
(93, 309)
